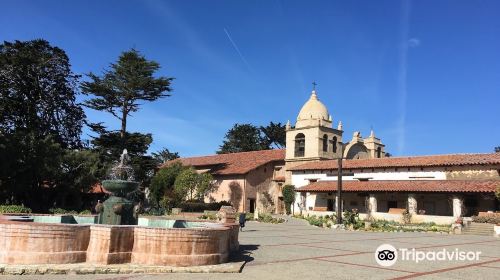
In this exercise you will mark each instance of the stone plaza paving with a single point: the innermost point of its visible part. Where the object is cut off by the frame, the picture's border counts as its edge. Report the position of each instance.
(296, 250)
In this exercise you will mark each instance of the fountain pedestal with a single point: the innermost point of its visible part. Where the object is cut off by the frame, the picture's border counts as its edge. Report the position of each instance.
(117, 211)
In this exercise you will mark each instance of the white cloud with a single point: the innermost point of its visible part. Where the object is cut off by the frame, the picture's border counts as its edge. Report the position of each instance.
(413, 42)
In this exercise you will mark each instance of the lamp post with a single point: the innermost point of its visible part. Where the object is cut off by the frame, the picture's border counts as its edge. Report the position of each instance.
(339, 185)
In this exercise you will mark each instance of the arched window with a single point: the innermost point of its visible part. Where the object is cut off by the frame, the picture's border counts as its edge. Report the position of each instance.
(300, 145)
(334, 144)
(325, 143)
(379, 152)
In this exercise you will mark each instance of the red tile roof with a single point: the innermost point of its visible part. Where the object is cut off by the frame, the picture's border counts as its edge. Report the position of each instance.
(405, 186)
(415, 161)
(97, 188)
(235, 163)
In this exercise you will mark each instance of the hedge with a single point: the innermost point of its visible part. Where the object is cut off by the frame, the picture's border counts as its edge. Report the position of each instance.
(61, 211)
(14, 209)
(191, 206)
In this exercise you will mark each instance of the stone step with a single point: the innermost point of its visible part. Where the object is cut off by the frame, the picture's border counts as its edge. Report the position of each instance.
(485, 231)
(483, 226)
(482, 229)
(478, 229)
(478, 233)
(475, 228)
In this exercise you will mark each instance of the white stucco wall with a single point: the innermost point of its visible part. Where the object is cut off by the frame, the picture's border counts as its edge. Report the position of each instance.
(300, 180)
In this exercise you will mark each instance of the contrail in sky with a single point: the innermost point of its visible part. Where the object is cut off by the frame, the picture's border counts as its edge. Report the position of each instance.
(403, 73)
(237, 50)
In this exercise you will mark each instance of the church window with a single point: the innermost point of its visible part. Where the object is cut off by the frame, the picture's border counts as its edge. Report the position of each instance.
(379, 152)
(300, 145)
(325, 143)
(334, 142)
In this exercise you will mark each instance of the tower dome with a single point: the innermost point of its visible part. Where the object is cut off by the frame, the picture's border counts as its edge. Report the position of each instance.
(313, 113)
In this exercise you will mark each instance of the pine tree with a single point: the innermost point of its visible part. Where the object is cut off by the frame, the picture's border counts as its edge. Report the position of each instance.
(121, 89)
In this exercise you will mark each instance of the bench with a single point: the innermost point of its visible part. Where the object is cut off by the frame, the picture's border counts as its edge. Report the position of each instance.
(396, 210)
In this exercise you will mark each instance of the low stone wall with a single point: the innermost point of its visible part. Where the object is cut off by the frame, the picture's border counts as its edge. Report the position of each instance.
(110, 244)
(318, 213)
(32, 243)
(180, 247)
(39, 243)
(234, 244)
(440, 220)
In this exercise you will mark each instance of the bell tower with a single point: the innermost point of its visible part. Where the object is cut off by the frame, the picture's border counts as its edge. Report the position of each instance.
(313, 137)
(374, 146)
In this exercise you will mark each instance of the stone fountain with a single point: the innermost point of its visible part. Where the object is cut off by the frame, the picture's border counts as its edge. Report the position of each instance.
(117, 209)
(119, 238)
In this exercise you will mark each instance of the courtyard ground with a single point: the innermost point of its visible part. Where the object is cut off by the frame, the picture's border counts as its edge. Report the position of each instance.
(296, 250)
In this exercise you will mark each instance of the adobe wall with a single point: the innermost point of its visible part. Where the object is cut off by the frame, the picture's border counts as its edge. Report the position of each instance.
(229, 188)
(259, 181)
(473, 172)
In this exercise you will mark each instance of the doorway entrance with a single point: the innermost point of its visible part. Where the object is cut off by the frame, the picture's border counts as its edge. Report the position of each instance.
(252, 205)
(392, 204)
(329, 205)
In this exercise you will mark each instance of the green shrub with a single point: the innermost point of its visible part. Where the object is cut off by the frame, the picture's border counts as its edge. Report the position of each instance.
(488, 218)
(248, 216)
(155, 211)
(267, 218)
(208, 216)
(406, 216)
(382, 225)
(288, 197)
(60, 211)
(193, 206)
(319, 221)
(351, 218)
(14, 209)
(85, 212)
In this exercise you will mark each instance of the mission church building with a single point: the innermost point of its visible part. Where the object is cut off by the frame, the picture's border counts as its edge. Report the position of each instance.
(433, 188)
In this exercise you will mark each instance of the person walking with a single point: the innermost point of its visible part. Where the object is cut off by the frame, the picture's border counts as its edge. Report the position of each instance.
(242, 220)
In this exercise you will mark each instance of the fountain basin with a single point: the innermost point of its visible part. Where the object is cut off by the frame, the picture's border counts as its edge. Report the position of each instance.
(201, 243)
(119, 187)
(40, 243)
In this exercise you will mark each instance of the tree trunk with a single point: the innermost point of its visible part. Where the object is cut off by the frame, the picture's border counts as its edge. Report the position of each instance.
(124, 123)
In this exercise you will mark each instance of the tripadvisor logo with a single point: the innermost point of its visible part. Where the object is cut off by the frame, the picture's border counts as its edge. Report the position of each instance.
(387, 255)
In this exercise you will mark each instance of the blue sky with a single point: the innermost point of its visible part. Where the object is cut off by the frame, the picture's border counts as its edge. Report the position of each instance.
(424, 74)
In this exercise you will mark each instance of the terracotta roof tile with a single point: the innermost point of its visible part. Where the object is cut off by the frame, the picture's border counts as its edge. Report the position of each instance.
(414, 161)
(406, 186)
(235, 163)
(97, 188)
